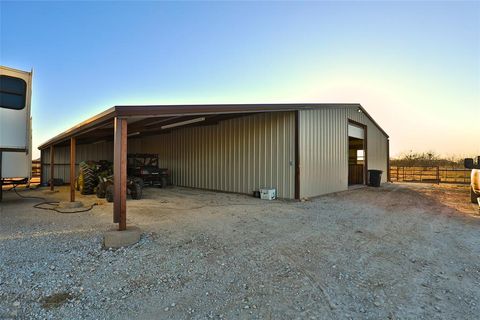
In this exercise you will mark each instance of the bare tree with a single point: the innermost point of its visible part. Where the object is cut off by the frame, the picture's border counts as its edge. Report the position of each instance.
(427, 158)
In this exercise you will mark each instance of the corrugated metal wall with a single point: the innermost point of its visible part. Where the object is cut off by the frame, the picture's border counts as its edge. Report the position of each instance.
(244, 154)
(376, 142)
(323, 149)
(98, 151)
(237, 155)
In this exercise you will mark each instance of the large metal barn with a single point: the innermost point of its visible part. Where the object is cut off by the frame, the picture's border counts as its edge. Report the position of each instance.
(301, 150)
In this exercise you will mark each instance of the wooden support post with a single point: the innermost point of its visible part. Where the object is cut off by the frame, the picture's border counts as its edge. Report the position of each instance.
(41, 167)
(120, 173)
(73, 143)
(52, 167)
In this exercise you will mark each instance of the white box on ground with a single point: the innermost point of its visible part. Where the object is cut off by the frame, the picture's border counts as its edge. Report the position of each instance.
(268, 193)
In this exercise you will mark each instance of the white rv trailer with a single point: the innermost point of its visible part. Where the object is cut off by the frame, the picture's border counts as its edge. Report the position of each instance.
(15, 126)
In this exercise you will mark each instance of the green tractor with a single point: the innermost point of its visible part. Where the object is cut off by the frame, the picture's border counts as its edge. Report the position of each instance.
(89, 174)
(96, 177)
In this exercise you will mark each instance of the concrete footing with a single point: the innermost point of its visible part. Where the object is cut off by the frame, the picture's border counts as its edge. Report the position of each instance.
(116, 239)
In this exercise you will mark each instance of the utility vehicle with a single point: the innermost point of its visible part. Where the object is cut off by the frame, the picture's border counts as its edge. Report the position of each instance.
(145, 166)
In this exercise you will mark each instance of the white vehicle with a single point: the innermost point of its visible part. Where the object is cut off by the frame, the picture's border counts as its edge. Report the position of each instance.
(474, 178)
(15, 126)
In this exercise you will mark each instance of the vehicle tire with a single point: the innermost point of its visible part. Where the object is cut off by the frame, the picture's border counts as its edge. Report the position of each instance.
(101, 190)
(136, 191)
(139, 181)
(473, 196)
(164, 182)
(109, 193)
(88, 181)
(77, 185)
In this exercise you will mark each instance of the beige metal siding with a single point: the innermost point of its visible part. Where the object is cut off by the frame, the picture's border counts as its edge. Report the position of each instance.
(237, 155)
(95, 151)
(323, 149)
(377, 142)
(244, 154)
(98, 151)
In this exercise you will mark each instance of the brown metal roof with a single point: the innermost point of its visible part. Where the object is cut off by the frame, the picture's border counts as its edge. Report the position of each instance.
(140, 117)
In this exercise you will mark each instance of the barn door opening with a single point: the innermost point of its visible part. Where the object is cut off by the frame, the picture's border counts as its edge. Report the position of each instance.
(357, 154)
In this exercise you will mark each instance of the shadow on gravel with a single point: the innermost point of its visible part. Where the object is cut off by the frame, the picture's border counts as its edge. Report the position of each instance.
(56, 300)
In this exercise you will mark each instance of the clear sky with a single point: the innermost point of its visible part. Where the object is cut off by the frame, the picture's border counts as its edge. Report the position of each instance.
(415, 66)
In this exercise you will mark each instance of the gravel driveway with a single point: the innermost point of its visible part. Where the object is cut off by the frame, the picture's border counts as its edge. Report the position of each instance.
(402, 251)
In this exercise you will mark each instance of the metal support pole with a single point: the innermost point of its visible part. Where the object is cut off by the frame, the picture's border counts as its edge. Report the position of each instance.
(52, 167)
(73, 143)
(120, 173)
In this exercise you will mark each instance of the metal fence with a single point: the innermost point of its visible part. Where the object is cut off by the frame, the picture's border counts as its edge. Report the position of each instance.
(430, 174)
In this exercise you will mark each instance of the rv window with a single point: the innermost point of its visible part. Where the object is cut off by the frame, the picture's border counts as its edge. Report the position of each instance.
(12, 93)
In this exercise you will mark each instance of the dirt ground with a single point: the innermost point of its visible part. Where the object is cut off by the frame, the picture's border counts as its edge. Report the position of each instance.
(402, 251)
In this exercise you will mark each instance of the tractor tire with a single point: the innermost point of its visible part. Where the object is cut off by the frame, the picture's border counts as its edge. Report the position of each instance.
(87, 179)
(473, 195)
(101, 190)
(77, 185)
(136, 191)
(109, 193)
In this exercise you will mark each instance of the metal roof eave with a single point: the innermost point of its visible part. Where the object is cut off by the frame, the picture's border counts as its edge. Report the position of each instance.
(82, 127)
(373, 121)
(128, 111)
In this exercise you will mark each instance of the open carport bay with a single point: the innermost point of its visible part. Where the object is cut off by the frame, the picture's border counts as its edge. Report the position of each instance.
(400, 251)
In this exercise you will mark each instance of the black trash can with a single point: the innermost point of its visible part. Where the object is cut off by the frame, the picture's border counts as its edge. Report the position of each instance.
(374, 178)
